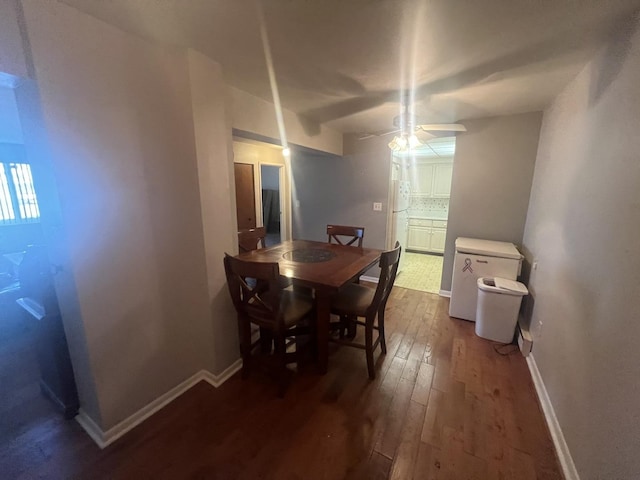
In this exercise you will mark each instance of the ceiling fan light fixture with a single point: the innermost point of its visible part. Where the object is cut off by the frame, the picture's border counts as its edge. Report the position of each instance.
(414, 141)
(401, 141)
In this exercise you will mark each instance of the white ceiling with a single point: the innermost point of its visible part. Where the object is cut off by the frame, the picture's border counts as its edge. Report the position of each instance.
(344, 62)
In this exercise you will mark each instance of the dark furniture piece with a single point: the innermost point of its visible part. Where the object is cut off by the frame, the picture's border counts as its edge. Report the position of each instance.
(361, 301)
(251, 239)
(265, 303)
(336, 233)
(40, 306)
(324, 267)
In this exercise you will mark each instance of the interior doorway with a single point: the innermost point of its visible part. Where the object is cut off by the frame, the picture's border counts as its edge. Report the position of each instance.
(420, 190)
(263, 194)
(271, 212)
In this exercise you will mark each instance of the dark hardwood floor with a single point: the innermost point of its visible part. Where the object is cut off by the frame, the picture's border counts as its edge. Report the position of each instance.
(23, 408)
(444, 405)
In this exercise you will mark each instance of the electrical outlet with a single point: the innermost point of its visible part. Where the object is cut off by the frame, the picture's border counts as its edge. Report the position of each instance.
(535, 265)
(377, 206)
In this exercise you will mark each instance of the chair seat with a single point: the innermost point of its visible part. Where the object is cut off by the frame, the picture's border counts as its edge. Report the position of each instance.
(354, 300)
(294, 307)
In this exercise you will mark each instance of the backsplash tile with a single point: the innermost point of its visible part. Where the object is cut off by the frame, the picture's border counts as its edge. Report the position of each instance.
(431, 207)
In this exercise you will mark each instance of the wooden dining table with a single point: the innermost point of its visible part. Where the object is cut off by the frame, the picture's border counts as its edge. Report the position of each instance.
(325, 268)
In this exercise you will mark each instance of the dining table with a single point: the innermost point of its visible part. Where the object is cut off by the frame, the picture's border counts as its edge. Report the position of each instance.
(323, 267)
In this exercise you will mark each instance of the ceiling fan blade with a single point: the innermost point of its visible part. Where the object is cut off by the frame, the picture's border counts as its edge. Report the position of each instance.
(442, 127)
(382, 133)
(424, 136)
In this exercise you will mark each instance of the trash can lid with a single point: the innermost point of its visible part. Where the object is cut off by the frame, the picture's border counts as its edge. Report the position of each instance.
(502, 285)
(512, 285)
(489, 248)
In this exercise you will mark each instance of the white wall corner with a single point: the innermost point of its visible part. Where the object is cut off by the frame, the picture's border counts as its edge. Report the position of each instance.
(106, 438)
(562, 449)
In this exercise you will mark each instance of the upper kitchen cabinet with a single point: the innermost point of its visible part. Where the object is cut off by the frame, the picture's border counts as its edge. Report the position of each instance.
(432, 178)
(442, 180)
(422, 181)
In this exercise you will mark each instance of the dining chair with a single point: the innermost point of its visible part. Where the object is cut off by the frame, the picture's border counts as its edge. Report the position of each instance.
(337, 234)
(251, 239)
(268, 305)
(360, 301)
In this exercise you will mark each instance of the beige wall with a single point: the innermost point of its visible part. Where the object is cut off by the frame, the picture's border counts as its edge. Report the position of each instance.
(582, 228)
(492, 173)
(217, 199)
(252, 114)
(120, 127)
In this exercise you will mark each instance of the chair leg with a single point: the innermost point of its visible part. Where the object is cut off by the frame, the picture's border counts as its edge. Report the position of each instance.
(343, 323)
(266, 340)
(281, 357)
(244, 327)
(351, 327)
(383, 342)
(368, 342)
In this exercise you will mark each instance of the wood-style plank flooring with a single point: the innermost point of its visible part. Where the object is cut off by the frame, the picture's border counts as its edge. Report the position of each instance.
(22, 405)
(444, 405)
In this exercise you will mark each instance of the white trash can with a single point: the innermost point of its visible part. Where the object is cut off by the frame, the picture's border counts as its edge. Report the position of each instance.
(497, 309)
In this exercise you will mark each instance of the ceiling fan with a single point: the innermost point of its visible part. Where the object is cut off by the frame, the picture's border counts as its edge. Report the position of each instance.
(407, 128)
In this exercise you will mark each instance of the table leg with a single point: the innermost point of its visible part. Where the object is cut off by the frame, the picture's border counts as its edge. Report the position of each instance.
(323, 316)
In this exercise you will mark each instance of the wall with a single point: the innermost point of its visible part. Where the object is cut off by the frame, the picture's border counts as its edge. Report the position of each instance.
(335, 190)
(492, 174)
(13, 60)
(582, 229)
(215, 176)
(10, 129)
(270, 177)
(252, 114)
(120, 127)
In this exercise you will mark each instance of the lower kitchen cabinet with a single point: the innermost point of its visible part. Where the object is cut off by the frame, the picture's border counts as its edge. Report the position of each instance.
(427, 235)
(438, 237)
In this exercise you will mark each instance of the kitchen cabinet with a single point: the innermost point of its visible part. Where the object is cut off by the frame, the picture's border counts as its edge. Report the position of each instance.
(442, 180)
(432, 179)
(422, 182)
(427, 235)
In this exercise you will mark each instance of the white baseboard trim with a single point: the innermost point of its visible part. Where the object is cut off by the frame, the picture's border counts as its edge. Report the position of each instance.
(366, 278)
(104, 439)
(562, 449)
(445, 293)
(226, 374)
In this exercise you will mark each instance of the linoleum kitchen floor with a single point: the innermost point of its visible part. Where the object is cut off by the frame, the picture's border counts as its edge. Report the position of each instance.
(421, 272)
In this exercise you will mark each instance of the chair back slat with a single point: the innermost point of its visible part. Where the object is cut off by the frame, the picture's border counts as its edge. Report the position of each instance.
(251, 239)
(389, 262)
(337, 234)
(255, 289)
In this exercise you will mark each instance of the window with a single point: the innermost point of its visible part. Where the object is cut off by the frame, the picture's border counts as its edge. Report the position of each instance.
(18, 201)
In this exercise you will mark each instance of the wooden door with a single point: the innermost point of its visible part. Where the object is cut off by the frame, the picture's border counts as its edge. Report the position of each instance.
(245, 196)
